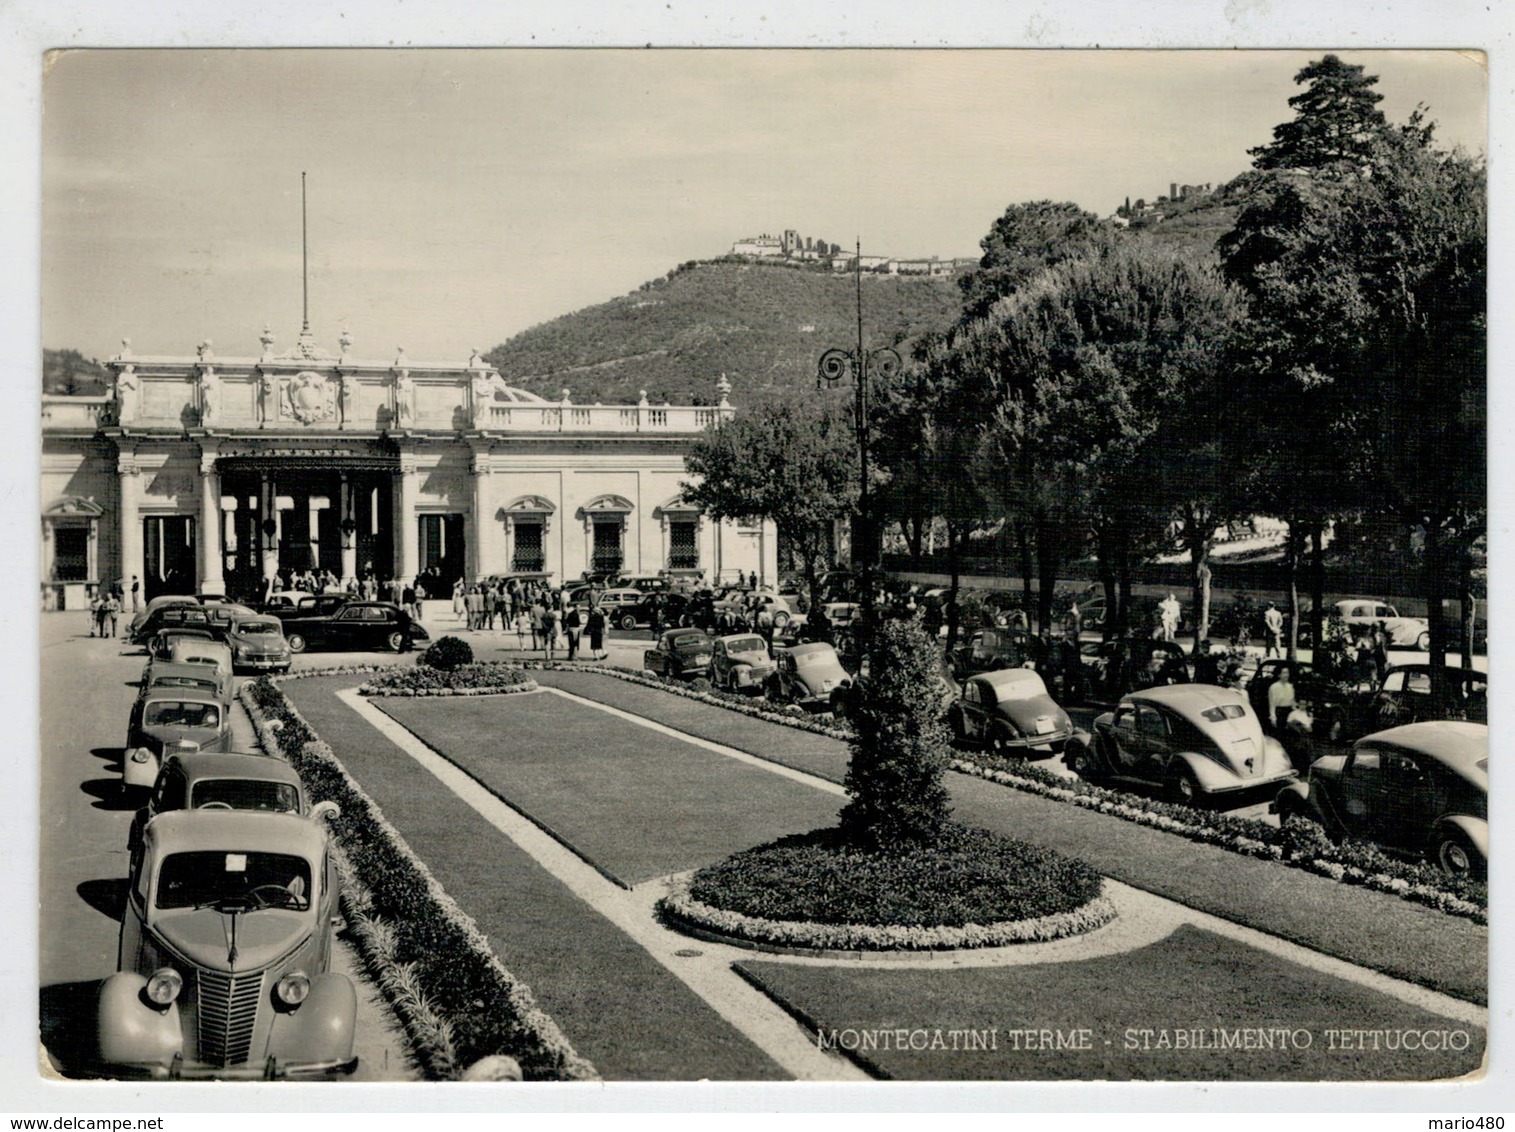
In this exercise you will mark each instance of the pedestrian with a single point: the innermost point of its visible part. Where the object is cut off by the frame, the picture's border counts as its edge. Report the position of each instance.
(458, 603)
(407, 632)
(499, 606)
(752, 579)
(573, 625)
(1075, 623)
(112, 609)
(549, 631)
(595, 625)
(1380, 651)
(1274, 622)
(1280, 700)
(1169, 612)
(410, 601)
(522, 624)
(136, 594)
(96, 620)
(537, 614)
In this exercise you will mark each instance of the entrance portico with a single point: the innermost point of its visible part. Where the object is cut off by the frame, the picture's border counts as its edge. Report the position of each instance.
(216, 474)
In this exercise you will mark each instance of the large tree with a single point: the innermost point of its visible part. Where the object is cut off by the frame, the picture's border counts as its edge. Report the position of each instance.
(1336, 119)
(1028, 238)
(1102, 382)
(791, 463)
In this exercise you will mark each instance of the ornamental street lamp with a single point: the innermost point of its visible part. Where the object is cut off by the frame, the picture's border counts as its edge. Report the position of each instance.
(863, 365)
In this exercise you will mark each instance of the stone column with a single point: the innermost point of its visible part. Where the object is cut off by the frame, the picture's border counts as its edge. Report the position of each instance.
(349, 529)
(409, 487)
(211, 580)
(131, 563)
(482, 536)
(268, 512)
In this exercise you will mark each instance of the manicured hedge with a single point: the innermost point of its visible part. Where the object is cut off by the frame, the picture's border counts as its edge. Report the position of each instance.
(490, 678)
(429, 955)
(970, 876)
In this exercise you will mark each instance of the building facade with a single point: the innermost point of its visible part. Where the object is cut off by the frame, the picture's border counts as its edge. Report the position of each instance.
(215, 475)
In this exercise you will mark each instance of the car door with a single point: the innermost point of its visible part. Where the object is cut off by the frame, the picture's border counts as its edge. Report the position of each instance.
(1125, 749)
(718, 663)
(978, 699)
(1151, 751)
(345, 630)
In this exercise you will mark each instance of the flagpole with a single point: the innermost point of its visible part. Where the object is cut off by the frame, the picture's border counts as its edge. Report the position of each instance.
(304, 263)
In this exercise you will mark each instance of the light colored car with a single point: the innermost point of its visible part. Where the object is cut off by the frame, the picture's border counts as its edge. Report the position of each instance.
(166, 721)
(1193, 740)
(810, 675)
(1011, 711)
(1407, 632)
(1422, 788)
(258, 643)
(160, 675)
(740, 663)
(760, 602)
(231, 781)
(162, 601)
(196, 650)
(225, 950)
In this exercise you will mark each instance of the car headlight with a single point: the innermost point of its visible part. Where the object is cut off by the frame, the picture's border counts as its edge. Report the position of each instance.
(293, 988)
(140, 754)
(163, 986)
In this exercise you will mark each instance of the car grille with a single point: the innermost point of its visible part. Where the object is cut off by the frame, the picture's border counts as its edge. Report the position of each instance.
(228, 1010)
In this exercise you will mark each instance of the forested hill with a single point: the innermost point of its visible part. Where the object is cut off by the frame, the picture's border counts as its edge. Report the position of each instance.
(765, 324)
(760, 324)
(70, 372)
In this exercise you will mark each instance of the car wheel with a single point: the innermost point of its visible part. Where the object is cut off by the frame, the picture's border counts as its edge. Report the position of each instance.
(1082, 762)
(1183, 787)
(627, 621)
(394, 641)
(295, 642)
(999, 742)
(1423, 642)
(1458, 856)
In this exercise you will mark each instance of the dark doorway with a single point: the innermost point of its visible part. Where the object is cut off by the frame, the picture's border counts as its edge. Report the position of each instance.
(442, 549)
(168, 550)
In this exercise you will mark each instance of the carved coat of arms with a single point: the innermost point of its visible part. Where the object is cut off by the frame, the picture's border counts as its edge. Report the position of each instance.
(310, 397)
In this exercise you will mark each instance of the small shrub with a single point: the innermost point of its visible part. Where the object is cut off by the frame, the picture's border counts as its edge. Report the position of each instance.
(448, 654)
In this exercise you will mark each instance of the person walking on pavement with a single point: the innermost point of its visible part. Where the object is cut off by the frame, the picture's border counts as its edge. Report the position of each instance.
(1169, 612)
(538, 614)
(595, 626)
(522, 625)
(112, 608)
(458, 594)
(136, 594)
(96, 621)
(1273, 620)
(1280, 700)
(550, 631)
(573, 625)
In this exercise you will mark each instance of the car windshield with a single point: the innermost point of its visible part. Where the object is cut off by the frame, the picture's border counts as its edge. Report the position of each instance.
(180, 713)
(1222, 712)
(246, 794)
(744, 644)
(259, 628)
(252, 880)
(691, 642)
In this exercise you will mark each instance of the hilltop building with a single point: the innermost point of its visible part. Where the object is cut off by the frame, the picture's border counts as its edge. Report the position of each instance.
(200, 473)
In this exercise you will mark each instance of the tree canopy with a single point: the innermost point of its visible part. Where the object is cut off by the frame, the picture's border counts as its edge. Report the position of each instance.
(1336, 119)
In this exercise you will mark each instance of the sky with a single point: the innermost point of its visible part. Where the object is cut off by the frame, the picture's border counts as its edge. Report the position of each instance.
(457, 197)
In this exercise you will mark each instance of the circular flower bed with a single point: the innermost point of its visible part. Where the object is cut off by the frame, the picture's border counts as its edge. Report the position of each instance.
(466, 680)
(816, 890)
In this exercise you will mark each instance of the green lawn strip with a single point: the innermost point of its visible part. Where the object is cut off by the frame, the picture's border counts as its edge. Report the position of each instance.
(622, 1010)
(636, 803)
(814, 754)
(1191, 981)
(1373, 929)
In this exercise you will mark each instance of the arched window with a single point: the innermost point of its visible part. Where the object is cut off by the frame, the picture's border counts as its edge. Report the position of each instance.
(605, 527)
(527, 520)
(681, 535)
(70, 540)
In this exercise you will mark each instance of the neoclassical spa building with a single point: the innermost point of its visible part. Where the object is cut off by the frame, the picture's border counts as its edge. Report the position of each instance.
(202, 473)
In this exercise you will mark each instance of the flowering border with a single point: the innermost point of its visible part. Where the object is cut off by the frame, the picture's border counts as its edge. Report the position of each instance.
(543, 1051)
(682, 909)
(1246, 836)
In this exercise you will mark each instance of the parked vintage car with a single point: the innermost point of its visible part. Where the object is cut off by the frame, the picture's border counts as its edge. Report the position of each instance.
(1419, 788)
(1407, 695)
(174, 719)
(161, 675)
(1011, 712)
(761, 601)
(1113, 668)
(195, 780)
(225, 949)
(356, 626)
(258, 643)
(682, 653)
(1193, 740)
(989, 650)
(161, 644)
(223, 613)
(1407, 632)
(198, 650)
(810, 675)
(1326, 698)
(183, 613)
(162, 601)
(305, 607)
(740, 663)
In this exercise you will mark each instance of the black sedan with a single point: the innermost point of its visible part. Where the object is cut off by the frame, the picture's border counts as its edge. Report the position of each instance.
(1421, 788)
(357, 626)
(681, 653)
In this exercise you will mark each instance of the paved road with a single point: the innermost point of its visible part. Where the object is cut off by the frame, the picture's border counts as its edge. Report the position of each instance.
(87, 689)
